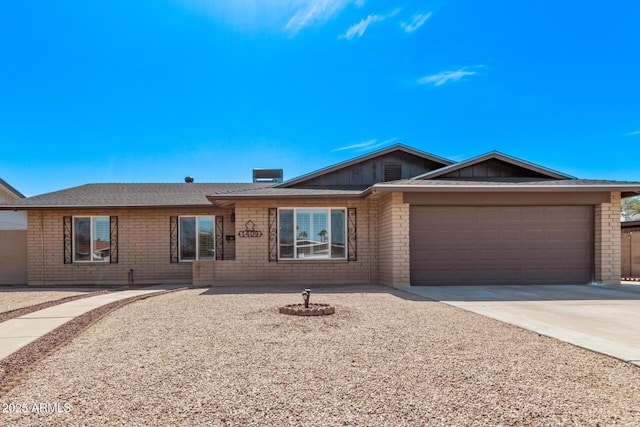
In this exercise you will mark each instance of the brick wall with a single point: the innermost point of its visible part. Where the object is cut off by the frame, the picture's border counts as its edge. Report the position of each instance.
(143, 246)
(393, 223)
(607, 241)
(252, 265)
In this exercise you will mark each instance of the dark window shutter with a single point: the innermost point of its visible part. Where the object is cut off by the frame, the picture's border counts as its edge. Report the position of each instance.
(173, 238)
(219, 237)
(113, 242)
(67, 233)
(351, 234)
(273, 234)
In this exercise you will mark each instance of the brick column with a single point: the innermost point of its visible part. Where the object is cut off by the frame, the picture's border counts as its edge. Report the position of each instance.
(393, 244)
(607, 241)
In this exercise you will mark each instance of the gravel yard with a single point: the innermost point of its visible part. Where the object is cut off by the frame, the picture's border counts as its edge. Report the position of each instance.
(227, 357)
(14, 298)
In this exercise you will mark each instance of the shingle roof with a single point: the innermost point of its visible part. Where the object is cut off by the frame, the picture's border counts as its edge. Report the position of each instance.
(203, 194)
(132, 195)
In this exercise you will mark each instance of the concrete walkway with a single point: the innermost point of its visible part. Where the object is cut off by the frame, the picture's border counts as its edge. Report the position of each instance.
(18, 332)
(602, 318)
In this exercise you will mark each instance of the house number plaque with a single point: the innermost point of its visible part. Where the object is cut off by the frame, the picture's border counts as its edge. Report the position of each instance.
(250, 230)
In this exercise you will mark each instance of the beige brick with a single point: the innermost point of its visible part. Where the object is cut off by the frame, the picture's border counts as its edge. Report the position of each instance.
(607, 241)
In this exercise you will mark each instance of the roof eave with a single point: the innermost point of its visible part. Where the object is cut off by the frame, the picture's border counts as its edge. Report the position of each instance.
(502, 188)
(60, 207)
(213, 199)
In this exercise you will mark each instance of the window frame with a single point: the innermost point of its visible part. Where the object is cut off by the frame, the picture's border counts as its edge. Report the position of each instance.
(329, 234)
(92, 250)
(197, 238)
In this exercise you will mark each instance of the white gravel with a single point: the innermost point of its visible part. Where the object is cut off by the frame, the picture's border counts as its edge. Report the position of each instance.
(227, 357)
(14, 298)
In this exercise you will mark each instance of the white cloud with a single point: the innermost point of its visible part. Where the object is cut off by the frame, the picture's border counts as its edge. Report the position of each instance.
(290, 16)
(446, 76)
(367, 145)
(359, 28)
(634, 133)
(416, 22)
(312, 12)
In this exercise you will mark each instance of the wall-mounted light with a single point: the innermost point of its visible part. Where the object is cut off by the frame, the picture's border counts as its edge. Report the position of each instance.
(233, 217)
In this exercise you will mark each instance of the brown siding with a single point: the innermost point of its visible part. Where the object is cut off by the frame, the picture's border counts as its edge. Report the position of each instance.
(507, 199)
(369, 172)
(492, 168)
(631, 253)
(13, 257)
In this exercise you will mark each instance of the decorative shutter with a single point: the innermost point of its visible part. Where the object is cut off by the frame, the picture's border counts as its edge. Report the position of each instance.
(113, 242)
(273, 234)
(173, 238)
(351, 234)
(67, 233)
(219, 237)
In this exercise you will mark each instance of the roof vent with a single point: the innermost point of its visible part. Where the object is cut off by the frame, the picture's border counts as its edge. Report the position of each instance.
(392, 171)
(267, 175)
(188, 179)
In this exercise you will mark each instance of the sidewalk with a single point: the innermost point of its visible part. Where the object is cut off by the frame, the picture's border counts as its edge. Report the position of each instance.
(18, 332)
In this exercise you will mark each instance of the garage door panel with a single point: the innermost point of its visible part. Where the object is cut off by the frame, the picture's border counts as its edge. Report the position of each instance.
(533, 215)
(501, 245)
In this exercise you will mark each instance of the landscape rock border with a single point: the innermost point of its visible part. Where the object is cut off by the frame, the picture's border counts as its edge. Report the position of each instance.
(312, 310)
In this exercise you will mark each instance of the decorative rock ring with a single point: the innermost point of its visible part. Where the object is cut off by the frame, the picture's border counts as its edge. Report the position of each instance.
(312, 310)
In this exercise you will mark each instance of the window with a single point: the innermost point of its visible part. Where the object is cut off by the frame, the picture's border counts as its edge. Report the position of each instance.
(91, 239)
(315, 233)
(197, 238)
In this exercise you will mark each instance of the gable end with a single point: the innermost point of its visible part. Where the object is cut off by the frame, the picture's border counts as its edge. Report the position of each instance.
(493, 168)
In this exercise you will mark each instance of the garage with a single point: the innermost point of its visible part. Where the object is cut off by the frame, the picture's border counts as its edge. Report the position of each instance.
(510, 245)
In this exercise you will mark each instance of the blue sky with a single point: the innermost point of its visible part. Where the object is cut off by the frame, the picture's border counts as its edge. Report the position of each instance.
(153, 91)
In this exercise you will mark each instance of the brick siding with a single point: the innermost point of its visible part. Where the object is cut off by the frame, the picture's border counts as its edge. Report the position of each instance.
(394, 240)
(607, 241)
(143, 246)
(252, 266)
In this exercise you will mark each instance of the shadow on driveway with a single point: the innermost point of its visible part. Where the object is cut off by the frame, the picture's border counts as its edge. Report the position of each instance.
(529, 292)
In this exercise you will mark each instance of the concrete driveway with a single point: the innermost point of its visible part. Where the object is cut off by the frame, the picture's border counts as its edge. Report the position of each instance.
(602, 318)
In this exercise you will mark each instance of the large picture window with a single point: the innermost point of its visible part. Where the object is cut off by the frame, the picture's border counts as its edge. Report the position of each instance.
(197, 238)
(312, 233)
(91, 239)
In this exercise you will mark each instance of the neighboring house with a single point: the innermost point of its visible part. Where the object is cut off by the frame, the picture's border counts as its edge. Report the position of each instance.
(13, 239)
(398, 216)
(630, 244)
